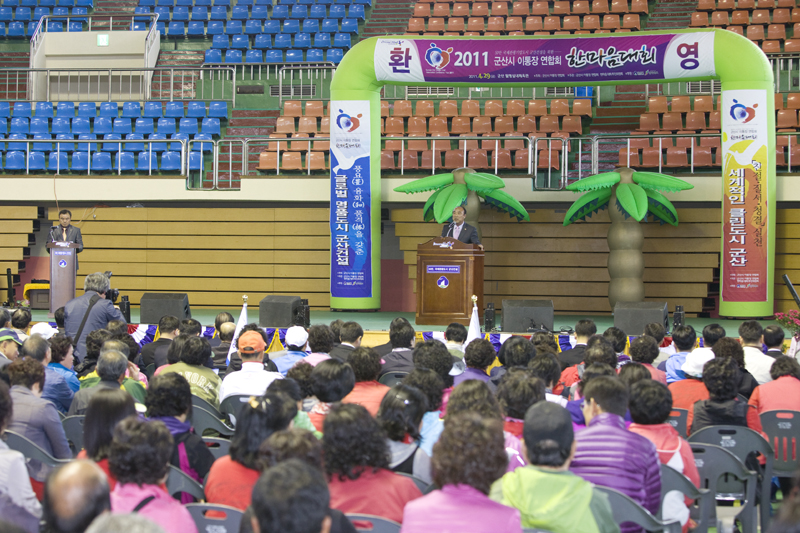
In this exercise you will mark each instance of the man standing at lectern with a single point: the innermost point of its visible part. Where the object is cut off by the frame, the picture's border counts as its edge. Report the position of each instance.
(66, 232)
(460, 230)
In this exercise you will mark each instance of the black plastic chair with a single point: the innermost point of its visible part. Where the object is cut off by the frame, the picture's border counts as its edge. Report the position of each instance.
(672, 480)
(390, 379)
(228, 524)
(626, 509)
(199, 402)
(203, 420)
(712, 463)
(783, 430)
(178, 482)
(73, 428)
(31, 450)
(232, 406)
(375, 524)
(677, 419)
(742, 441)
(218, 447)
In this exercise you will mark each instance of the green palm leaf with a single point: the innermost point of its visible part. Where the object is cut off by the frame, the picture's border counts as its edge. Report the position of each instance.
(427, 211)
(661, 208)
(448, 199)
(589, 203)
(660, 182)
(502, 201)
(482, 182)
(598, 181)
(429, 183)
(632, 200)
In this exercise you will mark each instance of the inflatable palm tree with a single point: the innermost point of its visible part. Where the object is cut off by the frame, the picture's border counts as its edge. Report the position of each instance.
(631, 197)
(463, 187)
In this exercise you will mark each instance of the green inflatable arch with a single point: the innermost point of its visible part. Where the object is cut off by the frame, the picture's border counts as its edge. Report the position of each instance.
(748, 133)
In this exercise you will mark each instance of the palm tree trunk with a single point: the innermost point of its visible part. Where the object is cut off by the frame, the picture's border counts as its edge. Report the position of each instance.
(473, 205)
(625, 259)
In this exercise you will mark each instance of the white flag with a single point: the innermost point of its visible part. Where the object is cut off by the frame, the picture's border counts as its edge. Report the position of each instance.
(242, 322)
(474, 331)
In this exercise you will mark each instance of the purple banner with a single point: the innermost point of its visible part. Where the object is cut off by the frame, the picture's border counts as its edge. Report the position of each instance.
(444, 269)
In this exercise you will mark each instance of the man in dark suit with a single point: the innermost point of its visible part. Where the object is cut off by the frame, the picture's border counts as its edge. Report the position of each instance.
(773, 339)
(95, 285)
(385, 349)
(460, 230)
(66, 232)
(351, 335)
(155, 353)
(583, 330)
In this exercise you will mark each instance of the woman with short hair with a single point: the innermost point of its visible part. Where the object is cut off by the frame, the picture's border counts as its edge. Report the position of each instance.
(400, 416)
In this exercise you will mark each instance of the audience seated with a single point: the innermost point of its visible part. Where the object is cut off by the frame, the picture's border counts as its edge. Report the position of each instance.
(658, 332)
(350, 335)
(220, 351)
(320, 342)
(583, 330)
(545, 342)
(134, 372)
(598, 350)
(9, 347)
(301, 373)
(191, 327)
(745, 382)
(546, 367)
(95, 287)
(431, 385)
(205, 383)
(686, 392)
(434, 355)
(518, 390)
(644, 350)
(130, 522)
(55, 389)
(751, 335)
(92, 344)
(331, 381)
(711, 334)
(575, 407)
(633, 373)
(783, 392)
(366, 365)
(296, 339)
(384, 349)
(548, 495)
(111, 372)
(400, 358)
(515, 351)
(117, 327)
(131, 383)
(773, 340)
(74, 496)
(618, 340)
(400, 417)
(236, 361)
(155, 353)
(252, 379)
(222, 318)
(455, 336)
(20, 322)
(685, 339)
(291, 388)
(174, 350)
(478, 355)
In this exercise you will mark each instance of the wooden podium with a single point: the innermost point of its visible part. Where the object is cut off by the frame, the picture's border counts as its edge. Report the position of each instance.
(63, 269)
(449, 272)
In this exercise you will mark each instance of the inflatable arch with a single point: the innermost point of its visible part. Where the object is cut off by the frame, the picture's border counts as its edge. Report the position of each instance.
(748, 133)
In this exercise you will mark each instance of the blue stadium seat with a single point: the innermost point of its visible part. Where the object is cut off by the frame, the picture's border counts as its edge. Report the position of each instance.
(356, 12)
(262, 2)
(311, 26)
(6, 14)
(180, 13)
(131, 110)
(176, 29)
(61, 12)
(20, 125)
(274, 56)
(65, 3)
(233, 27)
(262, 42)
(291, 26)
(77, 25)
(206, 3)
(158, 146)
(202, 147)
(294, 56)
(147, 161)
(225, 3)
(195, 109)
(145, 125)
(87, 109)
(142, 10)
(211, 126)
(306, 2)
(170, 161)
(302, 40)
(187, 3)
(167, 3)
(16, 29)
(2, 29)
(240, 42)
(81, 125)
(124, 162)
(22, 14)
(133, 147)
(317, 12)
(196, 28)
(218, 109)
(80, 161)
(233, 56)
(200, 13)
(103, 125)
(162, 12)
(174, 110)
(341, 40)
(39, 12)
(283, 41)
(3, 126)
(36, 161)
(272, 27)
(215, 27)
(64, 147)
(322, 40)
(22, 109)
(244, 2)
(148, 3)
(280, 12)
(86, 146)
(152, 110)
(196, 161)
(15, 160)
(58, 162)
(111, 146)
(259, 12)
(17, 145)
(109, 109)
(80, 14)
(254, 56)
(337, 12)
(345, 2)
(219, 13)
(61, 125)
(176, 146)
(122, 125)
(299, 12)
(287, 2)
(101, 161)
(27, 3)
(240, 12)
(252, 27)
(53, 26)
(166, 125)
(334, 55)
(349, 26)
(85, 3)
(42, 147)
(44, 109)
(315, 55)
(330, 26)
(220, 42)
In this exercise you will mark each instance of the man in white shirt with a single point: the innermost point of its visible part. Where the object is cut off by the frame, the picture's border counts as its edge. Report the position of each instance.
(751, 337)
(252, 379)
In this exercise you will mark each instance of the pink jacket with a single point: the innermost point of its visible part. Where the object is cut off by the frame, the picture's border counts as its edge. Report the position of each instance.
(163, 509)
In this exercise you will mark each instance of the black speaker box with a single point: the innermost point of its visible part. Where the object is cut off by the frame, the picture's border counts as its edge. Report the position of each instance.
(279, 311)
(632, 317)
(519, 315)
(154, 305)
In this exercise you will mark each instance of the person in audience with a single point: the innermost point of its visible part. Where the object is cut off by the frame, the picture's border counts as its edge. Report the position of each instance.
(575, 407)
(331, 381)
(205, 383)
(366, 364)
(350, 335)
(92, 344)
(155, 353)
(134, 370)
(9, 347)
(296, 339)
(546, 367)
(455, 336)
(127, 522)
(400, 417)
(544, 342)
(235, 363)
(252, 379)
(44, 330)
(400, 358)
(357, 464)
(61, 361)
(169, 400)
(5, 320)
(55, 389)
(783, 392)
(608, 454)
(191, 327)
(95, 287)
(711, 334)
(745, 382)
(58, 316)
(650, 405)
(637, 372)
(174, 351)
(111, 369)
(384, 349)
(692, 389)
(658, 332)
(618, 340)
(751, 336)
(773, 340)
(431, 385)
(220, 351)
(478, 355)
(584, 329)
(117, 327)
(20, 322)
(475, 396)
(291, 388)
(139, 460)
(434, 355)
(547, 494)
(18, 503)
(518, 390)
(515, 351)
(131, 382)
(34, 417)
(75, 494)
(598, 350)
(468, 458)
(684, 338)
(336, 327)
(644, 350)
(231, 479)
(301, 373)
(320, 342)
(222, 318)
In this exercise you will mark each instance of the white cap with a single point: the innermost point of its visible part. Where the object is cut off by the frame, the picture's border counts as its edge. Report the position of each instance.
(43, 329)
(296, 336)
(695, 360)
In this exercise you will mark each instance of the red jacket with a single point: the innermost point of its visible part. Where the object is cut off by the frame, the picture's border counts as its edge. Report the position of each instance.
(686, 392)
(781, 394)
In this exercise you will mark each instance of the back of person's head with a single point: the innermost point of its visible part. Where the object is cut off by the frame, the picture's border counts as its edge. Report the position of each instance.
(258, 329)
(196, 351)
(470, 451)
(168, 395)
(301, 373)
(127, 522)
(430, 383)
(595, 370)
(617, 338)
(140, 451)
(684, 337)
(257, 420)
(130, 342)
(223, 318)
(600, 352)
(74, 495)
(433, 354)
(350, 332)
(115, 345)
(751, 331)
(401, 412)
(398, 323)
(585, 328)
(288, 444)
(644, 350)
(168, 324)
(190, 326)
(291, 497)
(609, 393)
(650, 402)
(320, 339)
(547, 368)
(6, 406)
(721, 376)
(456, 332)
(774, 336)
(106, 408)
(633, 373)
(226, 331)
(366, 364)
(517, 351)
(94, 342)
(117, 327)
(332, 380)
(351, 440)
(97, 282)
(518, 390)
(402, 336)
(58, 316)
(542, 340)
(287, 386)
(296, 339)
(479, 354)
(112, 366)
(785, 366)
(474, 395)
(711, 334)
(336, 327)
(655, 330)
(5, 317)
(60, 346)
(728, 347)
(35, 347)
(548, 435)
(26, 372)
(21, 319)
(176, 349)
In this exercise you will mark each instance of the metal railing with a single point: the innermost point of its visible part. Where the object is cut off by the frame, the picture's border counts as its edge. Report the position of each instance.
(401, 92)
(311, 73)
(228, 160)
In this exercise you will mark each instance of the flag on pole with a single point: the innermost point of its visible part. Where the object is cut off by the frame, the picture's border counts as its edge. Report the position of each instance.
(240, 324)
(474, 331)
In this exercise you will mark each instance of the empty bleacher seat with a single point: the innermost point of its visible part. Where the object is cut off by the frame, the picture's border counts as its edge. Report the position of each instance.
(166, 125)
(195, 28)
(233, 56)
(213, 56)
(101, 161)
(147, 161)
(218, 110)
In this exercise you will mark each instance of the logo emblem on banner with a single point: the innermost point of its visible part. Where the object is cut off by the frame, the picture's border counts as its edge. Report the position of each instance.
(62, 264)
(443, 282)
(348, 123)
(438, 58)
(742, 113)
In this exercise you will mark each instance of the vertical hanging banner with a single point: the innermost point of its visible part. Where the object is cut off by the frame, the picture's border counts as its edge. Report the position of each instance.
(351, 242)
(745, 227)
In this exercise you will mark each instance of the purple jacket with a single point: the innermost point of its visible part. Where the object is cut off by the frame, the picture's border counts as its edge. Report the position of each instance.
(611, 456)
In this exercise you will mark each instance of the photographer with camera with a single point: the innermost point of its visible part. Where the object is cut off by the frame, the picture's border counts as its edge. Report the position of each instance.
(91, 311)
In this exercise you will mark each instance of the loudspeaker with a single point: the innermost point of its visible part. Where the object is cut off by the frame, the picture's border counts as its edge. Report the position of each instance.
(519, 315)
(280, 311)
(154, 305)
(632, 317)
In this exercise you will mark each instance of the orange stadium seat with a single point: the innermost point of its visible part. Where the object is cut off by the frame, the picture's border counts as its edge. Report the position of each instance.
(671, 121)
(436, 25)
(533, 24)
(657, 104)
(648, 122)
(521, 9)
(591, 22)
(704, 103)
(515, 108)
(781, 16)
(629, 158)
(619, 6)
(548, 124)
(681, 104)
(736, 29)
(699, 20)
(424, 108)
(526, 124)
(470, 108)
(441, 10)
(766, 4)
(448, 108)
(316, 161)
(580, 7)
(787, 118)
(537, 108)
(706, 5)
(284, 124)
(561, 7)
(792, 101)
(639, 6)
(540, 8)
(582, 107)
(559, 106)
(695, 120)
(417, 125)
(461, 9)
(416, 25)
(755, 33)
(719, 18)
(610, 22)
(514, 24)
(631, 22)
(600, 6)
(395, 125)
(552, 23)
(438, 125)
(402, 108)
(482, 125)
(384, 108)
(504, 124)
(714, 122)
(701, 156)
(418, 144)
(314, 109)
(307, 125)
(456, 24)
(572, 124)
(454, 159)
(422, 11)
(476, 24)
(771, 47)
(387, 160)
(497, 24)
(740, 18)
(572, 23)
(480, 9)
(726, 5)
(493, 108)
(749, 5)
(461, 125)
(499, 9)
(760, 16)
(776, 32)
(291, 161)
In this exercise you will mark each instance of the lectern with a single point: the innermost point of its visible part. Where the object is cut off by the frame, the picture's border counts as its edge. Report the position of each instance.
(63, 269)
(449, 272)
